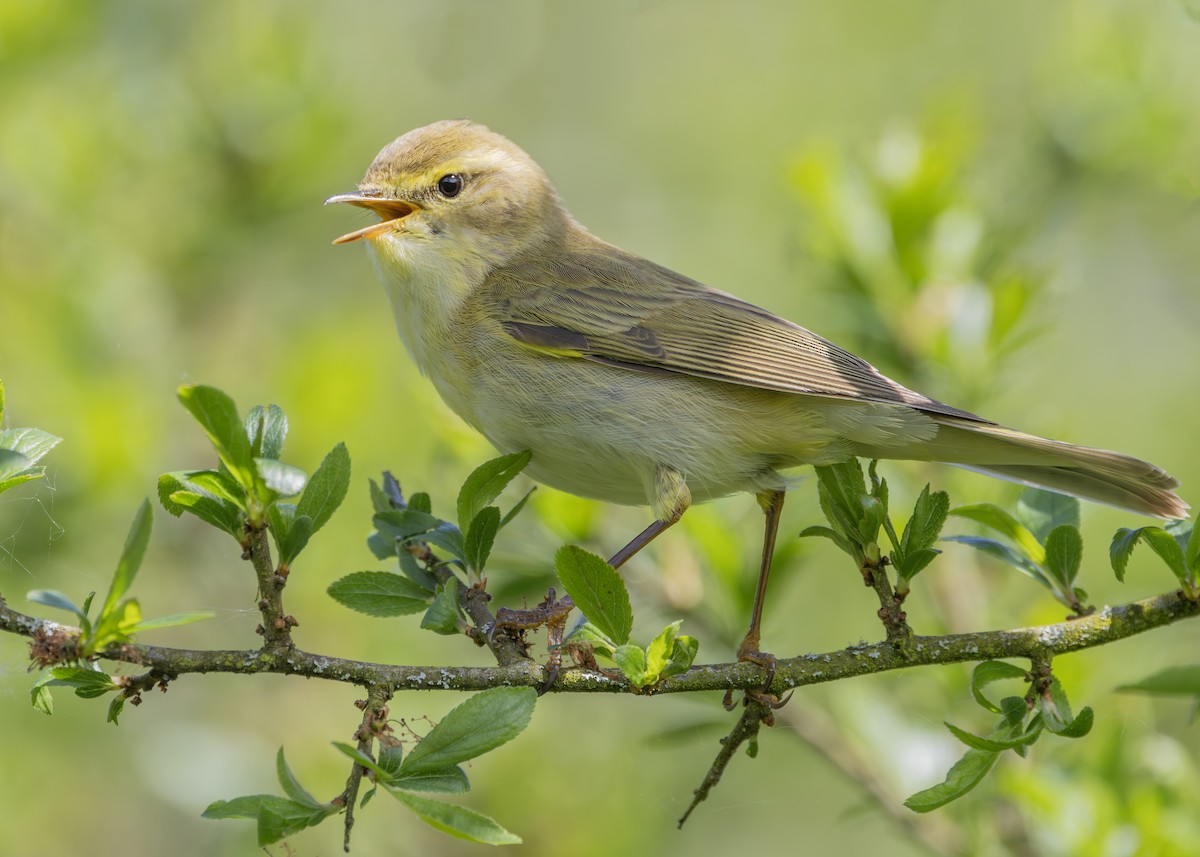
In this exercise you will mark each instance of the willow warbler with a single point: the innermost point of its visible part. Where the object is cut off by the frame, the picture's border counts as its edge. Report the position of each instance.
(633, 384)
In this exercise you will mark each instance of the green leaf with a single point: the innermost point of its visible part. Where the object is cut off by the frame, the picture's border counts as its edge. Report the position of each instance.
(597, 639)
(88, 684)
(879, 487)
(173, 620)
(683, 655)
(922, 530)
(12, 463)
(215, 482)
(442, 615)
(966, 773)
(452, 780)
(840, 489)
(871, 518)
(402, 524)
(1006, 554)
(445, 536)
(632, 662)
(826, 532)
(21, 478)
(1042, 511)
(597, 591)
(670, 653)
(31, 443)
(1121, 549)
(414, 571)
(517, 507)
(1055, 707)
(280, 479)
(41, 698)
(1177, 681)
(1079, 727)
(267, 429)
(1014, 709)
(987, 672)
(327, 488)
(115, 707)
(216, 513)
(1064, 554)
(239, 807)
(291, 786)
(217, 415)
(480, 723)
(280, 518)
(379, 546)
(661, 649)
(992, 744)
(277, 817)
(379, 593)
(477, 545)
(298, 534)
(1159, 540)
(171, 484)
(486, 482)
(131, 557)
(420, 502)
(1168, 550)
(115, 626)
(456, 820)
(390, 759)
(1191, 550)
(1002, 522)
(55, 599)
(379, 500)
(914, 563)
(382, 773)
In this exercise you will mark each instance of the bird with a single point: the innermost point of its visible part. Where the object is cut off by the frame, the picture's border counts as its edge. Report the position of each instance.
(633, 384)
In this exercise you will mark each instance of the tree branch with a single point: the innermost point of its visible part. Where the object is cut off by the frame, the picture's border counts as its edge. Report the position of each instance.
(374, 724)
(1036, 643)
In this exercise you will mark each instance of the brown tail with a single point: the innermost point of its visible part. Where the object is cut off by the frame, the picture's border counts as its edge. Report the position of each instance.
(1090, 474)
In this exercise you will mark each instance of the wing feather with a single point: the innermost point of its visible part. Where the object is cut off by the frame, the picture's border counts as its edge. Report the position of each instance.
(602, 304)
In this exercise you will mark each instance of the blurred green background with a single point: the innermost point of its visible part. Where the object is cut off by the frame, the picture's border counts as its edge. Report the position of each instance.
(995, 201)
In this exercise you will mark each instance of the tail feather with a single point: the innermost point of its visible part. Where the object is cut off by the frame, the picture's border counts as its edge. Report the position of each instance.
(1090, 474)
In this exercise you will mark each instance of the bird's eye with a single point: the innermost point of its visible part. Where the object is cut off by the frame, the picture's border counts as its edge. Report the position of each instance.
(450, 185)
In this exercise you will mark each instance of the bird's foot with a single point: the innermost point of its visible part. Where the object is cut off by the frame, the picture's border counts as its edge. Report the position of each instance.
(748, 652)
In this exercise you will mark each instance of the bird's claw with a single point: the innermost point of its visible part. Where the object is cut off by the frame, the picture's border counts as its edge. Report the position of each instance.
(766, 660)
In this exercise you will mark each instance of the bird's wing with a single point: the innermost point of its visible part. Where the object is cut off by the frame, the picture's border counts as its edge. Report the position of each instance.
(607, 306)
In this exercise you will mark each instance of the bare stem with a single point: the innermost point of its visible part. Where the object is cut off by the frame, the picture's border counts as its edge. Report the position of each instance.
(374, 720)
(754, 715)
(276, 627)
(891, 604)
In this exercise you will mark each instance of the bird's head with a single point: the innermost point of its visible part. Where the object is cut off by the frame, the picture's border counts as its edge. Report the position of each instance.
(456, 189)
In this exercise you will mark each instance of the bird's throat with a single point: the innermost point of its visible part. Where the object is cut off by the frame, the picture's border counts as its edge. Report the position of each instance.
(426, 289)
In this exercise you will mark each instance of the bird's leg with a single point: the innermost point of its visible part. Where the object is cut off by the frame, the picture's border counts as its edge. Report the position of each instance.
(671, 500)
(772, 505)
(640, 541)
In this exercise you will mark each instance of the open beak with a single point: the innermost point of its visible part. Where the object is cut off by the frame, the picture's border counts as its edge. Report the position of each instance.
(390, 211)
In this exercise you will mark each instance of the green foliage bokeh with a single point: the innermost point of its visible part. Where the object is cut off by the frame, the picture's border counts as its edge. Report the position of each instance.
(161, 172)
